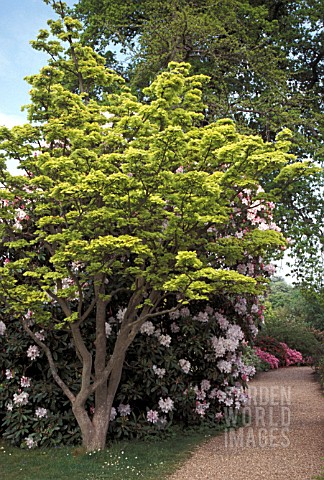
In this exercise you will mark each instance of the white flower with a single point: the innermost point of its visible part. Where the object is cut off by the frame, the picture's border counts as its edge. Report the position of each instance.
(25, 382)
(219, 346)
(205, 385)
(108, 329)
(241, 269)
(21, 399)
(222, 321)
(224, 366)
(159, 372)
(271, 269)
(41, 412)
(33, 352)
(185, 365)
(40, 335)
(254, 330)
(263, 226)
(213, 393)
(124, 410)
(240, 306)
(174, 328)
(9, 406)
(107, 115)
(275, 227)
(165, 340)
(235, 332)
(228, 402)
(200, 394)
(254, 308)
(147, 328)
(221, 395)
(113, 414)
(174, 315)
(166, 405)
(201, 317)
(185, 312)
(30, 442)
(201, 408)
(9, 374)
(121, 314)
(2, 328)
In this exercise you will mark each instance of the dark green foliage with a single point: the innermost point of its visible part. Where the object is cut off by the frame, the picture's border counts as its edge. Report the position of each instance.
(297, 334)
(59, 426)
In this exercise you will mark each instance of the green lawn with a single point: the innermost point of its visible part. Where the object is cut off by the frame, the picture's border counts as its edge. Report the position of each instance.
(123, 461)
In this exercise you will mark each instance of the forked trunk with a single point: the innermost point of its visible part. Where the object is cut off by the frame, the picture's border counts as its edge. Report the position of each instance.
(94, 432)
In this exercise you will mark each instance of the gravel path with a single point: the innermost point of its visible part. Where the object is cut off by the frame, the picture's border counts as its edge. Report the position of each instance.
(284, 441)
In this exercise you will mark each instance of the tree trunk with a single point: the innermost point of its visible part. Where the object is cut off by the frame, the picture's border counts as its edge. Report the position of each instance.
(93, 432)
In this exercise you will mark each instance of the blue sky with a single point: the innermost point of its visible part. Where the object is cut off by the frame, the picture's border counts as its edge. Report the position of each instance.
(20, 22)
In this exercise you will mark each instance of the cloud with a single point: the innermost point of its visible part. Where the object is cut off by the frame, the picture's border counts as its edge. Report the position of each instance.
(9, 121)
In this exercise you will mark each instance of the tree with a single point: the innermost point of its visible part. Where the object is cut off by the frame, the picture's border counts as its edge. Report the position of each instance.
(146, 204)
(265, 62)
(296, 303)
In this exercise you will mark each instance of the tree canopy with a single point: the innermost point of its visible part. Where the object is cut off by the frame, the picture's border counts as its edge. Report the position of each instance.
(265, 63)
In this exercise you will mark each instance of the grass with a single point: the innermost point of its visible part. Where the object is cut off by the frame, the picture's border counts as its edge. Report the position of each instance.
(146, 460)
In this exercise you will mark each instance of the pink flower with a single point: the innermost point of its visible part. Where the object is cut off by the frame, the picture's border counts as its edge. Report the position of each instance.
(152, 416)
(266, 357)
(25, 382)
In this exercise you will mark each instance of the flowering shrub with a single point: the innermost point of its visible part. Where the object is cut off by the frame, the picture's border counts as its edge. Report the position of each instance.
(186, 369)
(33, 410)
(274, 353)
(272, 346)
(292, 356)
(267, 358)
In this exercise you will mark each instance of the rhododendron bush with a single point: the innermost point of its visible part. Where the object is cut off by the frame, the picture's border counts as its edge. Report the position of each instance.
(274, 353)
(114, 228)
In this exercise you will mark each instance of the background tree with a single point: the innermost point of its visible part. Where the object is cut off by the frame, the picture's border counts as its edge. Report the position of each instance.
(295, 318)
(153, 204)
(288, 301)
(265, 62)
